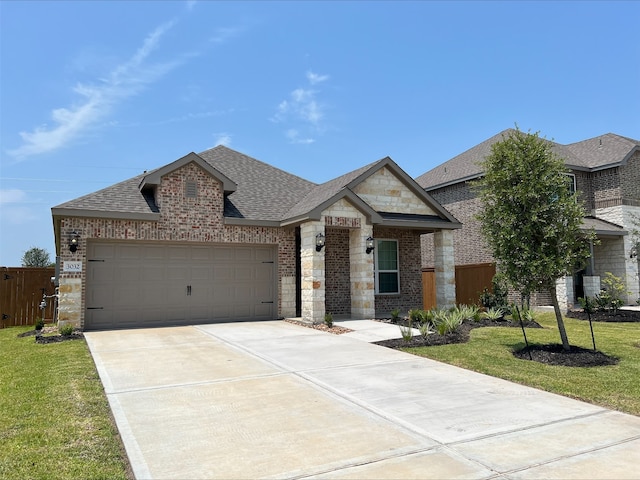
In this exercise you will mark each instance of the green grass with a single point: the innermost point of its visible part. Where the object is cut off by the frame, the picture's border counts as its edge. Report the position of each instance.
(490, 350)
(55, 420)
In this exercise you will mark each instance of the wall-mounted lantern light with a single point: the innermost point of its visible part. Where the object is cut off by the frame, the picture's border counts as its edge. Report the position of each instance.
(74, 240)
(370, 245)
(634, 252)
(319, 242)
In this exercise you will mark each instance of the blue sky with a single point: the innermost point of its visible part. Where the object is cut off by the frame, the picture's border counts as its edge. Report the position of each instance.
(93, 93)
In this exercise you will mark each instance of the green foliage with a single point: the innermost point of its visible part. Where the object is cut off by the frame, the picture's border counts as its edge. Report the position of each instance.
(613, 289)
(328, 320)
(425, 329)
(530, 218)
(416, 315)
(497, 298)
(447, 321)
(588, 304)
(494, 314)
(36, 257)
(406, 332)
(39, 325)
(66, 330)
(395, 314)
(469, 312)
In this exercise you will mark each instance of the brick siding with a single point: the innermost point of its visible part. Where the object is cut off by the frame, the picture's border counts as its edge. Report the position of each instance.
(337, 274)
(410, 272)
(193, 220)
(469, 246)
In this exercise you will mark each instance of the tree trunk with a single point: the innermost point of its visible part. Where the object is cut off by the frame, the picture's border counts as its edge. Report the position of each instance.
(556, 309)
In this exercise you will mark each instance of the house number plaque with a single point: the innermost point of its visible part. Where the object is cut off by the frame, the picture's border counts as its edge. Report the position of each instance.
(72, 267)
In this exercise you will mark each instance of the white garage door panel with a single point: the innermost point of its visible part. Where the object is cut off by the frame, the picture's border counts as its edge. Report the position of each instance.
(138, 285)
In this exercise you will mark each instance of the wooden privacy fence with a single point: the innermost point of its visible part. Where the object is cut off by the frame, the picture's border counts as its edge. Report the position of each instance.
(471, 280)
(21, 290)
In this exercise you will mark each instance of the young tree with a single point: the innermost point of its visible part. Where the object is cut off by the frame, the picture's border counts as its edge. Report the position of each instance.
(36, 257)
(530, 217)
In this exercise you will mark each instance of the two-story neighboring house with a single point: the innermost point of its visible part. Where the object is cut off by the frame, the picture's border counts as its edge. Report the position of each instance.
(606, 177)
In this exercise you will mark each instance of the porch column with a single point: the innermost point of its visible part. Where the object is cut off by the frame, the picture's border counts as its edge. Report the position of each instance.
(312, 263)
(591, 285)
(362, 274)
(445, 269)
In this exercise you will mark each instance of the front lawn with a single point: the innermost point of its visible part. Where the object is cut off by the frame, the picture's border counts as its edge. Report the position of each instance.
(490, 350)
(54, 417)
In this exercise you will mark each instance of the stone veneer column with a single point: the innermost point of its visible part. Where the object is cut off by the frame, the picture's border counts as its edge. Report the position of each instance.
(362, 274)
(70, 302)
(445, 269)
(591, 285)
(564, 291)
(288, 301)
(313, 283)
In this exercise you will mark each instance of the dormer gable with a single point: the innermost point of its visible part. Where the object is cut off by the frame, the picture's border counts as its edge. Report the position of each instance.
(152, 179)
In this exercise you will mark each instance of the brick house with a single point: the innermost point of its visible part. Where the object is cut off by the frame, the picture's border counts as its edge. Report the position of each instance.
(606, 176)
(220, 236)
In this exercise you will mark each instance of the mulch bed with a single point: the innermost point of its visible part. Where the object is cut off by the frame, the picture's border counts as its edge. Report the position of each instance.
(554, 354)
(321, 326)
(50, 335)
(620, 316)
(459, 336)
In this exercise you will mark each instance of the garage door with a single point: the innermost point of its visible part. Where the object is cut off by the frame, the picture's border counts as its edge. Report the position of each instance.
(140, 285)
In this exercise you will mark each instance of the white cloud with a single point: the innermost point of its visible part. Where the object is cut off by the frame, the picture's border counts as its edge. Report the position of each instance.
(126, 80)
(302, 104)
(315, 78)
(223, 139)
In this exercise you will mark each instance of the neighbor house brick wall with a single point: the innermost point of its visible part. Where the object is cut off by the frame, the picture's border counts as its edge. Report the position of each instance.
(410, 272)
(469, 245)
(630, 180)
(584, 189)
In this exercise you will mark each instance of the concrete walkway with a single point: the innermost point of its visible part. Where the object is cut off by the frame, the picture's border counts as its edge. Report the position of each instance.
(276, 400)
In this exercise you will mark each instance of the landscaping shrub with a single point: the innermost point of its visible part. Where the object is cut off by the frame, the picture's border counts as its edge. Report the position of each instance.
(66, 330)
(328, 320)
(39, 325)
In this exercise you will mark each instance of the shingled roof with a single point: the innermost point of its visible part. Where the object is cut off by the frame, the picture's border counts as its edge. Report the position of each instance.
(597, 153)
(261, 192)
(254, 192)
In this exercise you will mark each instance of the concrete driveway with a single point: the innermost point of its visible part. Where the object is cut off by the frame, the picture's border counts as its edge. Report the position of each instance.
(276, 400)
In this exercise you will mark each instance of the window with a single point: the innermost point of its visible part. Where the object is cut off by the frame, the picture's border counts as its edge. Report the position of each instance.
(572, 184)
(386, 267)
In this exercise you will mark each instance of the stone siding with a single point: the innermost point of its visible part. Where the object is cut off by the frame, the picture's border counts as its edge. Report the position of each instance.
(384, 192)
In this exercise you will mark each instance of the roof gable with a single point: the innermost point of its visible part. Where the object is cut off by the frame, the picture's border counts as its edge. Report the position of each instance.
(357, 187)
(154, 177)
